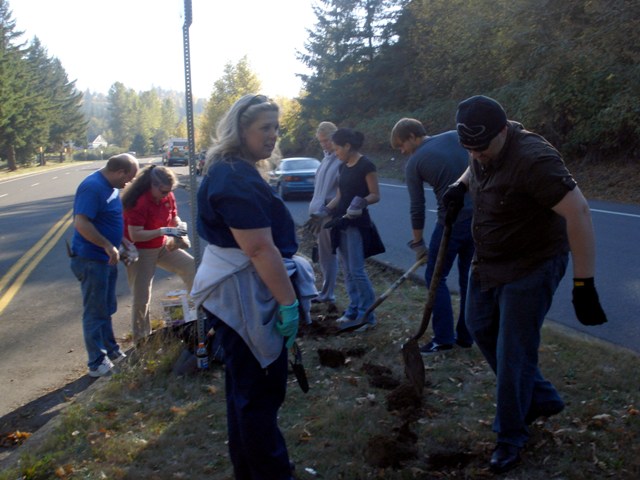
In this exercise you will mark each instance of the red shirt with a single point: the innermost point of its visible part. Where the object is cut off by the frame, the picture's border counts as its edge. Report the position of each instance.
(151, 216)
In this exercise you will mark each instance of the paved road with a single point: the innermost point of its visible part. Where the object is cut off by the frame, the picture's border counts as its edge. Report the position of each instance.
(617, 228)
(41, 345)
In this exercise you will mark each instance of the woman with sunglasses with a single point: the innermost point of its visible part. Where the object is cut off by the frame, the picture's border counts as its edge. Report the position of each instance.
(244, 287)
(152, 224)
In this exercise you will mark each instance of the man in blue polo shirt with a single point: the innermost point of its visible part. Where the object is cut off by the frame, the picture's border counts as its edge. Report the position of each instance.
(99, 228)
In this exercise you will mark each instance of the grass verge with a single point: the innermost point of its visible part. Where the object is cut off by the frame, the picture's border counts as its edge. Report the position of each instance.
(358, 421)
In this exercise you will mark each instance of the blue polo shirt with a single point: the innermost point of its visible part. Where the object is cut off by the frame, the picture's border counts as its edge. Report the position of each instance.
(234, 195)
(100, 203)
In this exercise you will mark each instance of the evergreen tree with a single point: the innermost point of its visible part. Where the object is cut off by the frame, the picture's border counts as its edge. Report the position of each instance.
(237, 80)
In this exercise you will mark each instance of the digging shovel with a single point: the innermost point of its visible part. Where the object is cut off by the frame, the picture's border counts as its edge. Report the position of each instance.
(413, 363)
(298, 368)
(359, 322)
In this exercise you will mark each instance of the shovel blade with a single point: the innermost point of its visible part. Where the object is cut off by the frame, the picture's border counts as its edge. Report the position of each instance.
(414, 365)
(298, 368)
(301, 376)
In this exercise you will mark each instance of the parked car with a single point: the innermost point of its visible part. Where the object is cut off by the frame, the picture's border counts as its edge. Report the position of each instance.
(175, 151)
(294, 175)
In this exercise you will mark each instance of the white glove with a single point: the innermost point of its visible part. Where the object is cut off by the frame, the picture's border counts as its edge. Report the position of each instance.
(128, 253)
(173, 231)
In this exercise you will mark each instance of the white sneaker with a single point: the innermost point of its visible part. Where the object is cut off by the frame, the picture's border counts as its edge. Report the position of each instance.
(365, 327)
(117, 356)
(103, 369)
(344, 318)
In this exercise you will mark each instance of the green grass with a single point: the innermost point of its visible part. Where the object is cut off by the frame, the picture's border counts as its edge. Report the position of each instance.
(146, 423)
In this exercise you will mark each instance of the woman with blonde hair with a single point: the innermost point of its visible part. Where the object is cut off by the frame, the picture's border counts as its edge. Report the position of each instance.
(243, 284)
(153, 225)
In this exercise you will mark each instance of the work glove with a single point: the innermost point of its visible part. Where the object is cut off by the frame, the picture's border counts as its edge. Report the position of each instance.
(586, 303)
(337, 222)
(128, 253)
(322, 212)
(358, 204)
(174, 231)
(419, 248)
(313, 225)
(453, 201)
(287, 324)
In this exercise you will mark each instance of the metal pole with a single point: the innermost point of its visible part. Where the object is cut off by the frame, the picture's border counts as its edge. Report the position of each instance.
(193, 184)
(202, 356)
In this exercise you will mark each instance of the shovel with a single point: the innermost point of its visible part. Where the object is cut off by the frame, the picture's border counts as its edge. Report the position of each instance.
(298, 368)
(358, 322)
(413, 363)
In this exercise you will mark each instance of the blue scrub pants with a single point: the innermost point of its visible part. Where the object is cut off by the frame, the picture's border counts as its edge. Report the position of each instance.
(505, 322)
(254, 395)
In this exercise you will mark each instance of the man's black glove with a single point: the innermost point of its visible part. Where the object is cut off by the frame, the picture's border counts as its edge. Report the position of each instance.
(338, 222)
(453, 200)
(586, 303)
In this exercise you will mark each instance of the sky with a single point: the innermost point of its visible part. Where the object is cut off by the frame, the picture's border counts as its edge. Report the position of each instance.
(140, 42)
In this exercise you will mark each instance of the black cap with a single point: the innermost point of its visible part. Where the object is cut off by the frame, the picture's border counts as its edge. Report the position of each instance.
(478, 120)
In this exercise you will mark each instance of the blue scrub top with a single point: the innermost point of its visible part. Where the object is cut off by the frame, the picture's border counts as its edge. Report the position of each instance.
(234, 195)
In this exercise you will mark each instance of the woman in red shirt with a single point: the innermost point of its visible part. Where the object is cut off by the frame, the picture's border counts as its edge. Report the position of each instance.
(152, 224)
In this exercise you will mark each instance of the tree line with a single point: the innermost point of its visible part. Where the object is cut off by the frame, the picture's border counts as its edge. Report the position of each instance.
(39, 106)
(569, 70)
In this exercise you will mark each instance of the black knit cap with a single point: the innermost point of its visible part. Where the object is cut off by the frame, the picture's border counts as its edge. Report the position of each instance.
(478, 120)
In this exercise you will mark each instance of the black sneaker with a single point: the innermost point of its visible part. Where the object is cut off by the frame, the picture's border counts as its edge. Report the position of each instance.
(433, 347)
(463, 344)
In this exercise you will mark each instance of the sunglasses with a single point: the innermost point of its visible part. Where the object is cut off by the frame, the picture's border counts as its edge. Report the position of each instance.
(163, 191)
(256, 100)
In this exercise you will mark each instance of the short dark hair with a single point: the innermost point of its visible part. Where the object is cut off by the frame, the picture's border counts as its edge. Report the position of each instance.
(404, 128)
(342, 136)
(123, 161)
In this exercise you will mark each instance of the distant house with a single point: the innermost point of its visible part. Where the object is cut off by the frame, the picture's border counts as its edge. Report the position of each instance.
(99, 142)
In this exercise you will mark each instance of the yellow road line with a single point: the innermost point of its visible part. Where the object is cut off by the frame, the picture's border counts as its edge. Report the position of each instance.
(31, 259)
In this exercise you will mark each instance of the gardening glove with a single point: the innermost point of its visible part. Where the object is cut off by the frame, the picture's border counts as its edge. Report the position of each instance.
(174, 231)
(322, 212)
(337, 222)
(453, 200)
(128, 253)
(419, 248)
(313, 225)
(586, 303)
(287, 324)
(358, 204)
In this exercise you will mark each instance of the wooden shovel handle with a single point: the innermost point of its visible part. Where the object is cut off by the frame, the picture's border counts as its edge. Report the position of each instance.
(435, 280)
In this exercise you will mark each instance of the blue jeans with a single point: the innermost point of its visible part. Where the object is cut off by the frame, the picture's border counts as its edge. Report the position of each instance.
(461, 246)
(359, 288)
(98, 286)
(505, 322)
